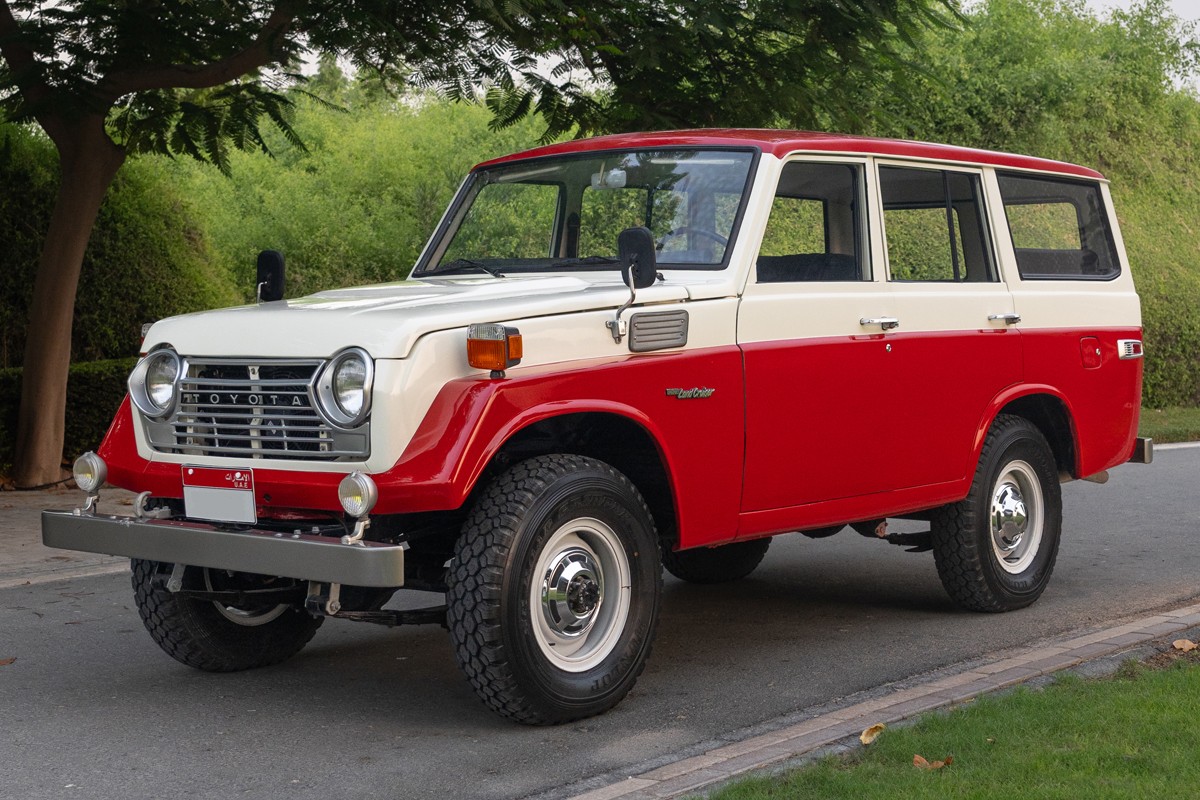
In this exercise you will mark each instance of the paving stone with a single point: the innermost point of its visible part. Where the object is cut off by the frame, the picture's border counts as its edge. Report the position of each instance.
(1127, 639)
(685, 783)
(670, 771)
(1163, 628)
(623, 789)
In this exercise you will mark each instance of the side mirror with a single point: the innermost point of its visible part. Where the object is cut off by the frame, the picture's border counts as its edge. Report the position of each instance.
(270, 276)
(635, 249)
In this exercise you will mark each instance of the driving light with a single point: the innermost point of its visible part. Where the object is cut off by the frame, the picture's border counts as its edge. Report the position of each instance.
(90, 472)
(153, 382)
(344, 388)
(357, 494)
(493, 347)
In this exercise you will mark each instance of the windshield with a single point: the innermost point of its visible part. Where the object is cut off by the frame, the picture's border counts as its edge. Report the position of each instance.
(563, 214)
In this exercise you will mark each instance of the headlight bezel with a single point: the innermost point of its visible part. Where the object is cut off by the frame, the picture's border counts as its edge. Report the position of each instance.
(327, 392)
(139, 389)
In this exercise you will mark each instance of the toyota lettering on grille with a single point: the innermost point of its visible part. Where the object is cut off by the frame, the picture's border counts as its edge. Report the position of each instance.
(248, 399)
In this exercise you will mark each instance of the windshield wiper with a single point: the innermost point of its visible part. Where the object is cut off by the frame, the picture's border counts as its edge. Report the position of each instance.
(588, 261)
(465, 265)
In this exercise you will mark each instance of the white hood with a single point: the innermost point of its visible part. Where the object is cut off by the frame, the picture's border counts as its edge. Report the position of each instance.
(387, 319)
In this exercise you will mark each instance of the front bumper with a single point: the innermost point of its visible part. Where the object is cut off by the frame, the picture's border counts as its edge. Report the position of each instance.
(289, 555)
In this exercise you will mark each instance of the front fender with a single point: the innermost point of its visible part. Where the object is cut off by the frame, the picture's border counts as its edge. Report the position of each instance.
(699, 435)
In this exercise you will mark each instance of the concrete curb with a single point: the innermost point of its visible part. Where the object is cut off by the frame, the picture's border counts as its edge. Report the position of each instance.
(721, 764)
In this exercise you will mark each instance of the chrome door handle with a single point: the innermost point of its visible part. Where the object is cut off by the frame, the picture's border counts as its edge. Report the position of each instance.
(886, 323)
(1009, 319)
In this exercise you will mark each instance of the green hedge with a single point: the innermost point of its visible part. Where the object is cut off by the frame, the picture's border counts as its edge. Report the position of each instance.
(94, 392)
(148, 257)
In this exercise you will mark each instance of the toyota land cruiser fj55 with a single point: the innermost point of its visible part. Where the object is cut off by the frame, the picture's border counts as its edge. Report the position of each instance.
(620, 354)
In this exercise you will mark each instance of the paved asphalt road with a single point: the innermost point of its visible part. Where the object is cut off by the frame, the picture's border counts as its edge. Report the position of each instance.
(92, 709)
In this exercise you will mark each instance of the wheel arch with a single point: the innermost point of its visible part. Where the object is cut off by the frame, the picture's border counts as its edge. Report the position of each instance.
(1050, 413)
(611, 435)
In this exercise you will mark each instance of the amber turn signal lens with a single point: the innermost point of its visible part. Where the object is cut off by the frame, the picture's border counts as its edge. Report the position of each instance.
(493, 347)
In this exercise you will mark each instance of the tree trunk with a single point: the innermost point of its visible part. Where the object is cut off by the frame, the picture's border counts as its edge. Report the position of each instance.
(88, 162)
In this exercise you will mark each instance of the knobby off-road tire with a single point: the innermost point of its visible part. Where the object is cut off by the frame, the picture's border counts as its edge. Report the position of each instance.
(554, 590)
(995, 550)
(212, 637)
(728, 562)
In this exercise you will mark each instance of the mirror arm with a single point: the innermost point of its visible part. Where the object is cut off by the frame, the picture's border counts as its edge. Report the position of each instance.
(617, 326)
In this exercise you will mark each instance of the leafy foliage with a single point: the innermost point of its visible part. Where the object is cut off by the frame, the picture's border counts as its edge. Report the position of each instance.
(1050, 78)
(357, 204)
(646, 65)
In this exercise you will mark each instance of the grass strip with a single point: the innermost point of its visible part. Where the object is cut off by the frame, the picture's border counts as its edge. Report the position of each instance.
(1133, 735)
(1170, 424)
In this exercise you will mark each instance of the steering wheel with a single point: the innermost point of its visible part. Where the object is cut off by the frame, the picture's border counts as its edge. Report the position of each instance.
(685, 230)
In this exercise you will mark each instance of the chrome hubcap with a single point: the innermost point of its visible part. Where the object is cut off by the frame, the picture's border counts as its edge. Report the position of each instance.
(580, 595)
(572, 592)
(1008, 517)
(1015, 517)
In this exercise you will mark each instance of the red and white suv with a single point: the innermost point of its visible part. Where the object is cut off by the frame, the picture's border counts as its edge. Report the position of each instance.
(622, 353)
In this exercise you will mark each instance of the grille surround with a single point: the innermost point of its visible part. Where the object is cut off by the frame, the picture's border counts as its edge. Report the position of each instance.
(254, 408)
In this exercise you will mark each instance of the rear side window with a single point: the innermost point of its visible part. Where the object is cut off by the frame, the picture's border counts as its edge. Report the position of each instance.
(934, 225)
(1059, 228)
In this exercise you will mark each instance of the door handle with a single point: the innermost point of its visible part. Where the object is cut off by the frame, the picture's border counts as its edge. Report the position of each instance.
(1009, 318)
(886, 323)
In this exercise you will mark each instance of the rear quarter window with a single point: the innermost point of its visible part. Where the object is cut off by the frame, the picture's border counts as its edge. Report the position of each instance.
(1059, 228)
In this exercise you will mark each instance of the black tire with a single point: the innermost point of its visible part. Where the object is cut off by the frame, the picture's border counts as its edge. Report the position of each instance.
(728, 562)
(564, 519)
(204, 635)
(995, 550)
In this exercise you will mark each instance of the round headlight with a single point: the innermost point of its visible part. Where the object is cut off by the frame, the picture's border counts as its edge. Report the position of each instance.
(90, 472)
(344, 388)
(153, 382)
(358, 494)
(349, 384)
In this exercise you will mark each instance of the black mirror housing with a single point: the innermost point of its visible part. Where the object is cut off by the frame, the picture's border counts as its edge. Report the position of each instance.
(270, 276)
(635, 248)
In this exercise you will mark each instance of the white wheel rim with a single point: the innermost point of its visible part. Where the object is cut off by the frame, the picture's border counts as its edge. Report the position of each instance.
(1017, 517)
(240, 616)
(579, 595)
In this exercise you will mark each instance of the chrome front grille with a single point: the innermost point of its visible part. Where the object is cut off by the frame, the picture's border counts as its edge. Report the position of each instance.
(254, 408)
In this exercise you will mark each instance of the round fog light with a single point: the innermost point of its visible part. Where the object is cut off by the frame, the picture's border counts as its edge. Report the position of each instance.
(90, 472)
(358, 494)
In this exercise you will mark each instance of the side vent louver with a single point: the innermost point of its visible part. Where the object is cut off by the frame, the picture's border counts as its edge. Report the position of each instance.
(657, 330)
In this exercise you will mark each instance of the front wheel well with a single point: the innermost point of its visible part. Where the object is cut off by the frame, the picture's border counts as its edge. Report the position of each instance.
(1051, 417)
(617, 441)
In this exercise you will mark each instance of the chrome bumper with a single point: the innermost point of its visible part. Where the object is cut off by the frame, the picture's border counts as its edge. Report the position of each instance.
(1143, 451)
(290, 555)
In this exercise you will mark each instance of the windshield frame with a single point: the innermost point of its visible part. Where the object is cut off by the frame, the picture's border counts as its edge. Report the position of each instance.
(443, 235)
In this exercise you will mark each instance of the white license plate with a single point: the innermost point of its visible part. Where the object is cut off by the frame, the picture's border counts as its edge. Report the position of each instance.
(219, 494)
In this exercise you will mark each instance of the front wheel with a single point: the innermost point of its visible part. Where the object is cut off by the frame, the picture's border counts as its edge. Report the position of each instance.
(553, 590)
(995, 550)
(214, 636)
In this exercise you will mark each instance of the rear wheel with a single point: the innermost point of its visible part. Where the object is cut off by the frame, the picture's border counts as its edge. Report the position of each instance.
(554, 589)
(995, 550)
(214, 636)
(727, 562)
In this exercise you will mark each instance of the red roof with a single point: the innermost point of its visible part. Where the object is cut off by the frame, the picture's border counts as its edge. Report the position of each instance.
(780, 143)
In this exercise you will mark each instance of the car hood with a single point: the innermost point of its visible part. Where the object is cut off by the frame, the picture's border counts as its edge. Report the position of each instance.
(387, 319)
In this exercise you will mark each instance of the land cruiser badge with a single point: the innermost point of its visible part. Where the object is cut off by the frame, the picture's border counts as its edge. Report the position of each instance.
(696, 393)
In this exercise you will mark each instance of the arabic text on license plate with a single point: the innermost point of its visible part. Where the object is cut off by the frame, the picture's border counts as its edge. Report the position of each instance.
(219, 494)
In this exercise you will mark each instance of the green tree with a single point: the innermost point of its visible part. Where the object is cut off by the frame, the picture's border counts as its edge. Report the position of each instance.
(106, 80)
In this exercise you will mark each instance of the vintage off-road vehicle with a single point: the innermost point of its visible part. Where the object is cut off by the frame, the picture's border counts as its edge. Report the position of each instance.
(620, 354)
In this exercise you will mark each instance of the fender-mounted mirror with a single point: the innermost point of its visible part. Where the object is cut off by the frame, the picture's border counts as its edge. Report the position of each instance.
(270, 276)
(635, 248)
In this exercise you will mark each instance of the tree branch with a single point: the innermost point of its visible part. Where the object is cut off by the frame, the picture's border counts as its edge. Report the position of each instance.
(259, 53)
(23, 63)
